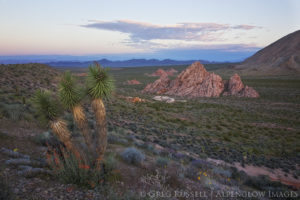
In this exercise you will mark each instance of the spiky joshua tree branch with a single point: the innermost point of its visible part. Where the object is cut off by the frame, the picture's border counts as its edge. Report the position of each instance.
(99, 85)
(71, 96)
(49, 111)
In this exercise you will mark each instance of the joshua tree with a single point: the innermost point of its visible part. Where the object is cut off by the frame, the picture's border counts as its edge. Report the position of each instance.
(99, 85)
(70, 96)
(50, 111)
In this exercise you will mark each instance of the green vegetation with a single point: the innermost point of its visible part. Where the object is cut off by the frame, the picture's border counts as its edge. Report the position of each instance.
(17, 85)
(263, 131)
(176, 138)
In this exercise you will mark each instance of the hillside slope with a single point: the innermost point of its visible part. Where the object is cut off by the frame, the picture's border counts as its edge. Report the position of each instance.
(17, 85)
(280, 57)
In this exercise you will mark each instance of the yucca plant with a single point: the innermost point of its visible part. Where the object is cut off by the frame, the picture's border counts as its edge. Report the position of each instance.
(49, 111)
(99, 86)
(71, 96)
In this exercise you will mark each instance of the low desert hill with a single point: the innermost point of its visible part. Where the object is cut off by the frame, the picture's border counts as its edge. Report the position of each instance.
(279, 58)
(19, 82)
(27, 78)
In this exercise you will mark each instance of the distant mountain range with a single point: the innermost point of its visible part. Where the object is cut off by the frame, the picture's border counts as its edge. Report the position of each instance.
(281, 57)
(125, 63)
(106, 62)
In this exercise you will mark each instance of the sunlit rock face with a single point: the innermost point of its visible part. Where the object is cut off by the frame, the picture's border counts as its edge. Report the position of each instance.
(195, 81)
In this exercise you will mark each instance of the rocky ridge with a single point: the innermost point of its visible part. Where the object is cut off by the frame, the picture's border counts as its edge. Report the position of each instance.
(195, 81)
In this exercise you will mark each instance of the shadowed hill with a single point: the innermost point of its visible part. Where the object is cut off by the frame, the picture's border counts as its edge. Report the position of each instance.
(21, 80)
(17, 85)
(281, 57)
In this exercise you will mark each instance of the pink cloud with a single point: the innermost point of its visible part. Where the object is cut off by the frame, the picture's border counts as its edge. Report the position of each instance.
(141, 31)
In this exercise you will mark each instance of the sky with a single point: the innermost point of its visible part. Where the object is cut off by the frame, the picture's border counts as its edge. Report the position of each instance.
(216, 30)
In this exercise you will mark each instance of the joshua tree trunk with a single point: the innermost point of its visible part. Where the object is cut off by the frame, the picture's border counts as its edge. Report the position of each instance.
(101, 136)
(82, 124)
(60, 128)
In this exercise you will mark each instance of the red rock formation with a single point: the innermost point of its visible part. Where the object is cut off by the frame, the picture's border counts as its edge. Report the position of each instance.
(171, 72)
(133, 82)
(235, 87)
(248, 92)
(159, 86)
(159, 72)
(195, 81)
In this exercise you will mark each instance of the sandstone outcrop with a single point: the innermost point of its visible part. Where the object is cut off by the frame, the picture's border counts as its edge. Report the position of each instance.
(195, 81)
(171, 72)
(235, 87)
(159, 86)
(248, 92)
(161, 72)
(132, 82)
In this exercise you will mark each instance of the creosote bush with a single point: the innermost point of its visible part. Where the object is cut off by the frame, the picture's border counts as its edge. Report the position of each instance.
(162, 162)
(133, 156)
(70, 169)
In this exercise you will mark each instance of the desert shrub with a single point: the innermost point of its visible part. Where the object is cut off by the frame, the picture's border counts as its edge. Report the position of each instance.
(262, 182)
(112, 193)
(132, 155)
(47, 138)
(176, 175)
(191, 172)
(12, 111)
(114, 139)
(5, 190)
(162, 162)
(4, 136)
(69, 169)
(222, 172)
(140, 144)
(151, 148)
(110, 170)
(156, 181)
(200, 164)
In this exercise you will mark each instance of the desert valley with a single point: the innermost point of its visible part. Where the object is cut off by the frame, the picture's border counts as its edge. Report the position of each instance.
(169, 129)
(179, 104)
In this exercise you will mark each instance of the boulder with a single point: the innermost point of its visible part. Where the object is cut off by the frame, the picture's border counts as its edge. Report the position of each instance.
(164, 99)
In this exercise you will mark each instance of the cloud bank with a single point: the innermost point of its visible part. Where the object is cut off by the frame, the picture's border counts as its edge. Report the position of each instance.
(210, 41)
(140, 31)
